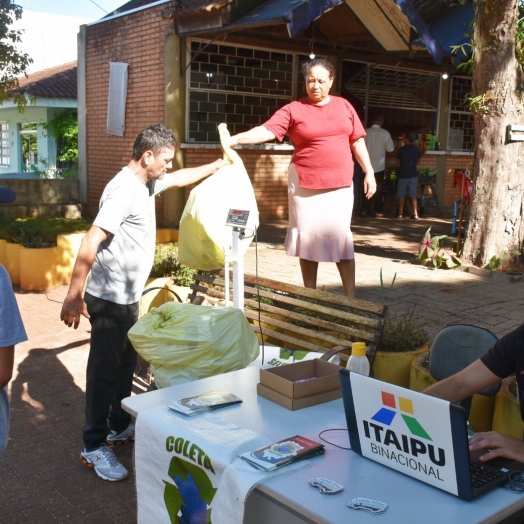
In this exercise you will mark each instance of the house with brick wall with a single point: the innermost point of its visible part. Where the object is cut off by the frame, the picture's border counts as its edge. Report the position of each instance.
(193, 64)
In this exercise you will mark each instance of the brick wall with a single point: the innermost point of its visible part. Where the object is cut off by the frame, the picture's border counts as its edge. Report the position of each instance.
(136, 39)
(267, 171)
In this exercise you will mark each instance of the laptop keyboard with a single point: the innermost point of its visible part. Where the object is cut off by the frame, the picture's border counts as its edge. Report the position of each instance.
(481, 475)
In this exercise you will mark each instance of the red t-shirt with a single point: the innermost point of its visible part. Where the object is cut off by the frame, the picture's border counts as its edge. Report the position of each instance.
(321, 136)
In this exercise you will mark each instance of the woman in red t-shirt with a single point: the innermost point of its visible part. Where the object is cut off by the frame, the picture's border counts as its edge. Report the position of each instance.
(323, 129)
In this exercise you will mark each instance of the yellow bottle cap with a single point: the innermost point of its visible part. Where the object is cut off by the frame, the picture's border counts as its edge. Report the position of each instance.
(358, 349)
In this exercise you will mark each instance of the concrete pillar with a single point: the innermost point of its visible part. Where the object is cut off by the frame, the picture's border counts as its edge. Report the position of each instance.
(174, 116)
(81, 112)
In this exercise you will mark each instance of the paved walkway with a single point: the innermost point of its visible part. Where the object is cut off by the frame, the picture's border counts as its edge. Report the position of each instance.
(41, 480)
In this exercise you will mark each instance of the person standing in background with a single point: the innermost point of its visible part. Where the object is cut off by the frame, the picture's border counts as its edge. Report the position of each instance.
(408, 157)
(324, 130)
(12, 332)
(378, 142)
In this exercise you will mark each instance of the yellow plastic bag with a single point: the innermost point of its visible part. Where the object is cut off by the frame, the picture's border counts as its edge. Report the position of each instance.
(203, 233)
(185, 342)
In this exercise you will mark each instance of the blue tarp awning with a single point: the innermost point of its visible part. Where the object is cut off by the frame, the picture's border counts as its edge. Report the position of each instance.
(453, 27)
(297, 14)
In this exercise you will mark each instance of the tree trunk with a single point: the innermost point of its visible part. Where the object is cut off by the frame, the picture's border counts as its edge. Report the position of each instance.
(495, 222)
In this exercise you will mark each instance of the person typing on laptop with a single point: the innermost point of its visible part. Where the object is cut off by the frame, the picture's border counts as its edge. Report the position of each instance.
(503, 359)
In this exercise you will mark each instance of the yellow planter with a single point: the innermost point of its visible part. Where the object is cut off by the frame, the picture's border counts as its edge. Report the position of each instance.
(482, 407)
(68, 247)
(13, 262)
(419, 376)
(506, 416)
(3, 253)
(165, 236)
(38, 268)
(157, 297)
(181, 291)
(394, 366)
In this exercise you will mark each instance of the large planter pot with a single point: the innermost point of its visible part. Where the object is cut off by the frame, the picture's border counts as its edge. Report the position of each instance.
(165, 236)
(482, 407)
(506, 416)
(3, 253)
(157, 297)
(38, 268)
(13, 262)
(181, 291)
(68, 247)
(394, 366)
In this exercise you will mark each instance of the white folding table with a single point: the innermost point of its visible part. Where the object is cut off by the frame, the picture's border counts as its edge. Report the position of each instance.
(289, 499)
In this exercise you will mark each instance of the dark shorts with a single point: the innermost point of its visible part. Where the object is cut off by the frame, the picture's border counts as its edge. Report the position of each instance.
(407, 186)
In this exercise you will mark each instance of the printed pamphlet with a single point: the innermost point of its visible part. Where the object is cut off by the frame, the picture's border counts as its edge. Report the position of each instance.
(205, 402)
(284, 452)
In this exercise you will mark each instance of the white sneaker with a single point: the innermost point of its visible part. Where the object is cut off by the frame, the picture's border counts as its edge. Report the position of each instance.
(104, 462)
(116, 439)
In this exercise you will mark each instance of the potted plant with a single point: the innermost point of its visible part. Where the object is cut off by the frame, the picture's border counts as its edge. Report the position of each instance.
(4, 223)
(433, 254)
(404, 338)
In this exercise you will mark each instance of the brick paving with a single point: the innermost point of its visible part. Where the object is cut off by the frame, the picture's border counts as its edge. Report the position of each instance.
(41, 479)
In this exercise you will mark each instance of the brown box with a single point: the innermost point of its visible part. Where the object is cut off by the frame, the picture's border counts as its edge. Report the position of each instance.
(280, 384)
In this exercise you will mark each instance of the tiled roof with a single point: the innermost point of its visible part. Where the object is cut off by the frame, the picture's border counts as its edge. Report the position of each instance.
(55, 82)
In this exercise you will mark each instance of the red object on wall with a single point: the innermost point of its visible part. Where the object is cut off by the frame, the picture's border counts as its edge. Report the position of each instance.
(463, 181)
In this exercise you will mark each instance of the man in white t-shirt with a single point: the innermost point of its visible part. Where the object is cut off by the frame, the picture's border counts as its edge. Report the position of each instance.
(115, 257)
(378, 142)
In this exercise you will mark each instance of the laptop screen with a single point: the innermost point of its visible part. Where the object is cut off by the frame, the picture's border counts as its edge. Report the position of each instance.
(402, 429)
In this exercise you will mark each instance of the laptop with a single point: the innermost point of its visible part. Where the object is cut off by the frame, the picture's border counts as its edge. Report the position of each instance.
(419, 435)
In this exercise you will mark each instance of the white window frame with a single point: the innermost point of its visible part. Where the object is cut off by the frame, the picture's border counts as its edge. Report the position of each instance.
(4, 144)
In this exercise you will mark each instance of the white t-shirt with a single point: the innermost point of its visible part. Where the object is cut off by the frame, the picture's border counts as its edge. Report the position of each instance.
(378, 141)
(123, 262)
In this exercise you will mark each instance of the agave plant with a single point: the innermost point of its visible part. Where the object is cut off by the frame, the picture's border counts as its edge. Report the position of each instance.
(431, 253)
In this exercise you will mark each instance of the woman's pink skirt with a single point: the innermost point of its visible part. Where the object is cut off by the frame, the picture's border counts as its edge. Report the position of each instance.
(319, 222)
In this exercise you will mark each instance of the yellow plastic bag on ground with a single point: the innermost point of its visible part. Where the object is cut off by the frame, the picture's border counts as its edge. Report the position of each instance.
(203, 233)
(185, 342)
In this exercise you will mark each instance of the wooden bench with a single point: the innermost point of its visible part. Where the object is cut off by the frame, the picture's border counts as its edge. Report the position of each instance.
(296, 317)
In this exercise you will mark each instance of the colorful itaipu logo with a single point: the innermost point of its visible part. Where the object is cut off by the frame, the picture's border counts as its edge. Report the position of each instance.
(385, 415)
(188, 501)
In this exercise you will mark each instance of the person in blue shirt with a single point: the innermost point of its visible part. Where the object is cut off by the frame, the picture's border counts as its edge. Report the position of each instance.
(408, 157)
(12, 332)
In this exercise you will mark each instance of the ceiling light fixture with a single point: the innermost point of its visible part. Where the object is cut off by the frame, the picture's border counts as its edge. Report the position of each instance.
(311, 50)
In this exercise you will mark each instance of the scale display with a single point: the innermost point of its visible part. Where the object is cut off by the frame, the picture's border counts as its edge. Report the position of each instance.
(237, 217)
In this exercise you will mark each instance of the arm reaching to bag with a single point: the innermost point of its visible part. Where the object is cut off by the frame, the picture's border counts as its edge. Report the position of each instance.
(257, 135)
(190, 175)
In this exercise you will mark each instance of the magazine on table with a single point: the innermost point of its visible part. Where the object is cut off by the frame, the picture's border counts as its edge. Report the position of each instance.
(287, 451)
(205, 402)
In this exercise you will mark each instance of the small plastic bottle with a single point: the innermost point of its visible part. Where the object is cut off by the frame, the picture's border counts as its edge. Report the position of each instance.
(358, 362)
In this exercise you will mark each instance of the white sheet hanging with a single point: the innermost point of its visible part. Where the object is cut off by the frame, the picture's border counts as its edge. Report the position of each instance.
(117, 96)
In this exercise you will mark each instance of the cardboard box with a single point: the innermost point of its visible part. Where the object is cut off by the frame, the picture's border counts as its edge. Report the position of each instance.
(286, 386)
(297, 403)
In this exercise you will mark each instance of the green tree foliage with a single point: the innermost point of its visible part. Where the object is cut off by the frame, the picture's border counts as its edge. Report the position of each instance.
(13, 64)
(64, 128)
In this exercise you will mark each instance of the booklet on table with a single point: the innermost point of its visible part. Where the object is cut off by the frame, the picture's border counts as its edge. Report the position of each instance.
(284, 452)
(206, 402)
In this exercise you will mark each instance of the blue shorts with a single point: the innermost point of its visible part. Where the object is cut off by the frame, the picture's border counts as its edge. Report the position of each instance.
(407, 186)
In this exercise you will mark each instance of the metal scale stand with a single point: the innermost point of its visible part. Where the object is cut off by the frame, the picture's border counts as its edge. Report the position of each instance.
(237, 219)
